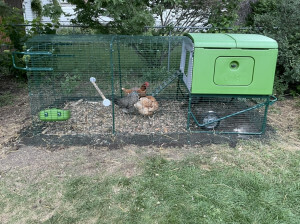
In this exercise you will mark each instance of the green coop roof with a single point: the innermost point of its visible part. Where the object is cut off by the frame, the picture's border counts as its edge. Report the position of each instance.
(211, 40)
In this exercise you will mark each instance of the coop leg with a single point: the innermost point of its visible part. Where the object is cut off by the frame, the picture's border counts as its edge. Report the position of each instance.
(178, 88)
(189, 112)
(263, 129)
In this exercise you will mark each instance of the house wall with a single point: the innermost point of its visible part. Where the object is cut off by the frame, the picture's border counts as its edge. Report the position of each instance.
(67, 8)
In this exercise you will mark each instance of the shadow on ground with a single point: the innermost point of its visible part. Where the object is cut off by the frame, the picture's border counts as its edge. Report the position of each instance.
(119, 141)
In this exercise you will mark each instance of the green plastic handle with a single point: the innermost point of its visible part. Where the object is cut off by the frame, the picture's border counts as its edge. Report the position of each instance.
(31, 53)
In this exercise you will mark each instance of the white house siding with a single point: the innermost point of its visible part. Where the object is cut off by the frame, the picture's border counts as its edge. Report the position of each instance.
(67, 8)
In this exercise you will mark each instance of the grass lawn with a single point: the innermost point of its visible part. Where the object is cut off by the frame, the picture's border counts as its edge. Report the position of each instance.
(253, 183)
(184, 192)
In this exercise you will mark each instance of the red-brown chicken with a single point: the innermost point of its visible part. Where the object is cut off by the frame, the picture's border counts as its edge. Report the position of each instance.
(147, 105)
(140, 90)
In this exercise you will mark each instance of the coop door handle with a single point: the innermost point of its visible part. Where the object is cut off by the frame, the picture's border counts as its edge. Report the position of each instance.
(31, 53)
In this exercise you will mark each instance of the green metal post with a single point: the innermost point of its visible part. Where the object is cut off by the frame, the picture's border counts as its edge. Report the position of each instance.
(263, 128)
(120, 72)
(169, 50)
(112, 84)
(189, 112)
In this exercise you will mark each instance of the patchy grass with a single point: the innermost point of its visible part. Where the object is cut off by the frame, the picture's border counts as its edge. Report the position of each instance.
(254, 183)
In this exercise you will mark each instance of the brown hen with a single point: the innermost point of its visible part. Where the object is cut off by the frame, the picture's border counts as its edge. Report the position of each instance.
(140, 90)
(147, 105)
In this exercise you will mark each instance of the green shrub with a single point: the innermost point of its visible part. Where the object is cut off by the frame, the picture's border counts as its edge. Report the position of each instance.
(280, 20)
(6, 65)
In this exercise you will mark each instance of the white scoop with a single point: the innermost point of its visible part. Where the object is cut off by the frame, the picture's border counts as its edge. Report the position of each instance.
(105, 102)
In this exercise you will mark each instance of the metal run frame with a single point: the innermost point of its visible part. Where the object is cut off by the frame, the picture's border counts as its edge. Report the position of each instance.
(114, 45)
(269, 100)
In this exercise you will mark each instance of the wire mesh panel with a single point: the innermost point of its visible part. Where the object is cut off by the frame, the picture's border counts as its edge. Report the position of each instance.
(154, 61)
(60, 68)
(71, 61)
(228, 114)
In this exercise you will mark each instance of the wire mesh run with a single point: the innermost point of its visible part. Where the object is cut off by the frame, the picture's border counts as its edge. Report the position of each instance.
(228, 114)
(65, 102)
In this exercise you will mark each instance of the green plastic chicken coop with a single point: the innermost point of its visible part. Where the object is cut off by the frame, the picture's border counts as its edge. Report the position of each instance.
(220, 83)
(229, 64)
(234, 66)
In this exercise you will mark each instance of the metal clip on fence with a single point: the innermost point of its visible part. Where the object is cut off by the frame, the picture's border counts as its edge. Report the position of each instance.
(31, 53)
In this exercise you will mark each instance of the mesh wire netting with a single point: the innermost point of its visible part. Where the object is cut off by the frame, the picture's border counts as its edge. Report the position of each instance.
(233, 114)
(60, 79)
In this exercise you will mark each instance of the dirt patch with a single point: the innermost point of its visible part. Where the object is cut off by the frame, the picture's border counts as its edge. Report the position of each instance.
(284, 116)
(38, 163)
(16, 115)
(118, 141)
(70, 161)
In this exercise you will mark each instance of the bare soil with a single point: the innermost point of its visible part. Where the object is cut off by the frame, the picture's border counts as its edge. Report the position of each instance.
(16, 115)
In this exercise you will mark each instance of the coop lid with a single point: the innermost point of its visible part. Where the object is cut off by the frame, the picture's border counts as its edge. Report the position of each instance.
(211, 40)
(253, 41)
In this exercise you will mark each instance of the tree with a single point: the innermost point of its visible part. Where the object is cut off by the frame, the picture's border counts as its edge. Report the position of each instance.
(10, 18)
(130, 17)
(280, 20)
(124, 17)
(224, 13)
(12, 36)
(180, 14)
